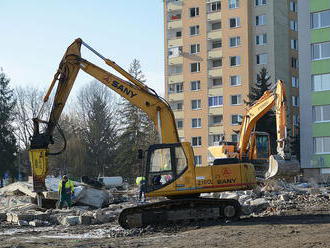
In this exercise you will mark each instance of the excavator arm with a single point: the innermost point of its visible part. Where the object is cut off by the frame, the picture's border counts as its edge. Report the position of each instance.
(274, 97)
(131, 89)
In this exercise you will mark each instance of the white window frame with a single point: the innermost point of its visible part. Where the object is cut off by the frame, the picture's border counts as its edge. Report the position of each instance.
(236, 40)
(293, 6)
(198, 67)
(293, 25)
(213, 104)
(238, 60)
(197, 48)
(181, 121)
(239, 119)
(233, 4)
(198, 141)
(294, 63)
(216, 59)
(178, 88)
(238, 99)
(295, 101)
(321, 112)
(217, 85)
(237, 22)
(196, 30)
(198, 160)
(262, 59)
(261, 20)
(295, 82)
(217, 123)
(262, 39)
(216, 41)
(294, 44)
(322, 141)
(197, 85)
(198, 104)
(216, 29)
(235, 80)
(196, 123)
(320, 50)
(323, 85)
(216, 4)
(319, 20)
(196, 9)
(260, 2)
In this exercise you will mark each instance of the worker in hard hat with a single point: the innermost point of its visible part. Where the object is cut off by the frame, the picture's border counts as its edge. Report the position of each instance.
(141, 182)
(65, 190)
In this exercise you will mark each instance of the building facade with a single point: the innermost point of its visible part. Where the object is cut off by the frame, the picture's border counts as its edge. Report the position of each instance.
(314, 53)
(213, 53)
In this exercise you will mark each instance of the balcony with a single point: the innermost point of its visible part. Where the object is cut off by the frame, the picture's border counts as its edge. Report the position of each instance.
(216, 110)
(175, 60)
(175, 78)
(174, 24)
(216, 130)
(218, 91)
(214, 16)
(216, 72)
(215, 53)
(212, 35)
(175, 96)
(175, 42)
(174, 5)
(179, 114)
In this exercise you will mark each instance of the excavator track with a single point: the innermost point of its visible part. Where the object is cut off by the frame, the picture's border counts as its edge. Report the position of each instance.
(178, 211)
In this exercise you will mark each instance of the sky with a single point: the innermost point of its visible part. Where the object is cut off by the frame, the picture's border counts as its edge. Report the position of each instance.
(36, 33)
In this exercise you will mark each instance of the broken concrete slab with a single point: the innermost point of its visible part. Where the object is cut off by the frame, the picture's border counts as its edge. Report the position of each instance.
(94, 197)
(69, 220)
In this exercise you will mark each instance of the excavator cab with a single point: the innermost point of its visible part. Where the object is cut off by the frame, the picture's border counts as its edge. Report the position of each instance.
(165, 163)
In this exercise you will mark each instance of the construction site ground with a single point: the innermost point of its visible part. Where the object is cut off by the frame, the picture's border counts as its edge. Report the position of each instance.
(308, 228)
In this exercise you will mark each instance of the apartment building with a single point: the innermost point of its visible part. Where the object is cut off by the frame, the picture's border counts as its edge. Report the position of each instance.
(314, 53)
(213, 53)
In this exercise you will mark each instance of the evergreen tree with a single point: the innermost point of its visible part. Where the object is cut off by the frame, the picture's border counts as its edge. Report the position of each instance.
(267, 123)
(8, 148)
(137, 131)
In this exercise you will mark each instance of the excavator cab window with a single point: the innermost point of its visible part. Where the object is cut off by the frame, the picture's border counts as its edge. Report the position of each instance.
(262, 145)
(165, 162)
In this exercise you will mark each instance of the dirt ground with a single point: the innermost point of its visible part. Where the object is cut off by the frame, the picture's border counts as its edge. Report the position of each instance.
(294, 229)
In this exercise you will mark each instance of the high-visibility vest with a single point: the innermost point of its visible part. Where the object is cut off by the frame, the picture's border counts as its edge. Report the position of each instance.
(69, 186)
(139, 179)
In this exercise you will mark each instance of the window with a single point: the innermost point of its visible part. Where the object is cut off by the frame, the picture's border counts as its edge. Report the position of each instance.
(260, 20)
(294, 81)
(178, 34)
(216, 119)
(321, 145)
(215, 101)
(215, 139)
(321, 82)
(235, 60)
(262, 59)
(261, 39)
(216, 26)
(195, 67)
(233, 4)
(194, 30)
(196, 122)
(194, 12)
(196, 104)
(196, 141)
(321, 50)
(294, 25)
(214, 6)
(234, 137)
(175, 69)
(294, 63)
(235, 80)
(179, 124)
(320, 19)
(216, 44)
(295, 120)
(293, 6)
(234, 22)
(321, 113)
(198, 160)
(295, 101)
(260, 2)
(236, 99)
(216, 62)
(175, 88)
(236, 119)
(174, 52)
(176, 105)
(294, 44)
(195, 48)
(195, 85)
(217, 81)
(234, 41)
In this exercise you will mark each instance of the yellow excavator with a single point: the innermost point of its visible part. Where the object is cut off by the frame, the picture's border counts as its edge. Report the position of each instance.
(254, 146)
(169, 169)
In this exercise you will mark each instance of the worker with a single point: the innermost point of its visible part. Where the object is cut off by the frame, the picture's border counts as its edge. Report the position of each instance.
(141, 182)
(65, 191)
